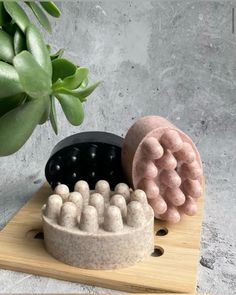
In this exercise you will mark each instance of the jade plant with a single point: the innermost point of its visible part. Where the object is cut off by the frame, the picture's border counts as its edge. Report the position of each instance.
(32, 78)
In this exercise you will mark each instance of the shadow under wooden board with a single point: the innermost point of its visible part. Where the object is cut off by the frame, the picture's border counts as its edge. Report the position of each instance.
(171, 268)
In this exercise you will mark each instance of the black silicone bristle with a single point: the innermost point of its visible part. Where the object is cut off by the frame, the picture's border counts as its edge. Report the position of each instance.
(89, 156)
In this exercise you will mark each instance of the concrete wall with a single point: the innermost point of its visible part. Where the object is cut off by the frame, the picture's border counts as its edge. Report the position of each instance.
(176, 59)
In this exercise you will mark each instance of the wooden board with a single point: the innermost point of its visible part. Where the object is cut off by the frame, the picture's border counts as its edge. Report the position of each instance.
(21, 249)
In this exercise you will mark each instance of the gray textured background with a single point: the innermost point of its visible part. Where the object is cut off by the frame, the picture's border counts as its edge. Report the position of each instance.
(172, 58)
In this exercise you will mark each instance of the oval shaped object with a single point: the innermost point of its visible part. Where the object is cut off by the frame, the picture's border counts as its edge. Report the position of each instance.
(163, 161)
(96, 156)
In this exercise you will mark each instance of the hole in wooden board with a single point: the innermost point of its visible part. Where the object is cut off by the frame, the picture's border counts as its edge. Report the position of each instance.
(158, 251)
(39, 236)
(35, 234)
(162, 232)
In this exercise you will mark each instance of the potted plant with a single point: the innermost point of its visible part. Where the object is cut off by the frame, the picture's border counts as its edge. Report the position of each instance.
(32, 78)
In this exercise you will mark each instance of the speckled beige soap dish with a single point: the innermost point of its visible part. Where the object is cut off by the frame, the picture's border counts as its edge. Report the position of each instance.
(98, 229)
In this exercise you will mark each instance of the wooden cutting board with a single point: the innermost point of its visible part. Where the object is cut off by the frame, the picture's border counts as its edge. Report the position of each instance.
(171, 269)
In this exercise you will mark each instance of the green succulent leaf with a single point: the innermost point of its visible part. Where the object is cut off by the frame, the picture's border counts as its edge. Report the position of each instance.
(46, 112)
(83, 93)
(20, 122)
(79, 93)
(84, 84)
(4, 16)
(19, 41)
(9, 103)
(41, 16)
(53, 115)
(35, 81)
(28, 89)
(9, 81)
(72, 108)
(10, 28)
(58, 54)
(17, 14)
(62, 68)
(51, 8)
(75, 80)
(6, 47)
(38, 48)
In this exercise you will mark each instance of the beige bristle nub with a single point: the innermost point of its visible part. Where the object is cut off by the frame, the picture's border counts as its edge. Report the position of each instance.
(119, 201)
(53, 207)
(139, 196)
(123, 189)
(68, 215)
(96, 200)
(113, 219)
(135, 214)
(89, 220)
(82, 187)
(77, 199)
(102, 187)
(62, 190)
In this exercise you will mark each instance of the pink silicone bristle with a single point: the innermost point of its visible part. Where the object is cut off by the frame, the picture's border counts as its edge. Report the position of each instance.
(175, 196)
(189, 207)
(186, 154)
(170, 178)
(192, 187)
(167, 161)
(158, 204)
(171, 215)
(192, 170)
(150, 187)
(152, 148)
(171, 140)
(153, 140)
(147, 168)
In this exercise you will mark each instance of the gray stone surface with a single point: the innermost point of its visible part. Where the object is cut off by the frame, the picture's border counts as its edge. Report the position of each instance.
(172, 58)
